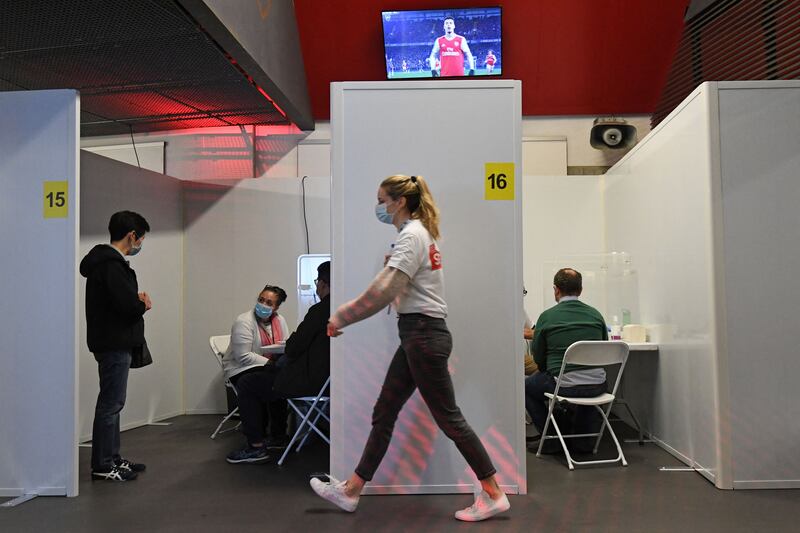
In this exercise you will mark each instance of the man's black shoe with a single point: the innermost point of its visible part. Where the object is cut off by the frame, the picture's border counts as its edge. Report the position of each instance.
(125, 464)
(115, 474)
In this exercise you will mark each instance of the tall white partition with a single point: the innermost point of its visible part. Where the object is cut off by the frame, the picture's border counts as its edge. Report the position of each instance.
(707, 205)
(658, 209)
(446, 132)
(108, 186)
(39, 235)
(759, 154)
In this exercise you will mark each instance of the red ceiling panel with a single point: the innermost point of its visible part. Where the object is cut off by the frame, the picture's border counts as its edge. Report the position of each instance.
(574, 57)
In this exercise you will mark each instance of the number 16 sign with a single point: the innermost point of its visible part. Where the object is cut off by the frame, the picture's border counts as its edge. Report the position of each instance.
(498, 180)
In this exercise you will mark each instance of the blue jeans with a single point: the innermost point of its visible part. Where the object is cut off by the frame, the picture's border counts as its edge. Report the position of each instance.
(587, 419)
(113, 369)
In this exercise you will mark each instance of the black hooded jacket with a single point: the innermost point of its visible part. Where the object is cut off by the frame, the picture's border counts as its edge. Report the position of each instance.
(114, 313)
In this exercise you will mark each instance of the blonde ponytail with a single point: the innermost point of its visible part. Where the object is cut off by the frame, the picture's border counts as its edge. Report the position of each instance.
(418, 199)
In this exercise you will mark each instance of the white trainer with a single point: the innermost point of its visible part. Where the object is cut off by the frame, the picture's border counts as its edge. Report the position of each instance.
(483, 508)
(334, 492)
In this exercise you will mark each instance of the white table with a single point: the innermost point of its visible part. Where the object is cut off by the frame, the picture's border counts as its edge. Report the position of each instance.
(643, 346)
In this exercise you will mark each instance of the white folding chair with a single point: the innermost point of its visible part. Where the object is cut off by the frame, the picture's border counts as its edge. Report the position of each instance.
(309, 409)
(219, 345)
(588, 353)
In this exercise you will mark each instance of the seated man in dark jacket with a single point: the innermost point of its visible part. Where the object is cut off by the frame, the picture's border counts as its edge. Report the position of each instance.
(306, 361)
(301, 371)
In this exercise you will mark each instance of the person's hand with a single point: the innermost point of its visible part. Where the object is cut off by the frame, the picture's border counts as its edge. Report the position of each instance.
(143, 297)
(333, 331)
(386, 259)
(527, 333)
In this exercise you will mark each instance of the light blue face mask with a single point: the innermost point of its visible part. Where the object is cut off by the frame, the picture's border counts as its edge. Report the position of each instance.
(135, 249)
(382, 214)
(263, 311)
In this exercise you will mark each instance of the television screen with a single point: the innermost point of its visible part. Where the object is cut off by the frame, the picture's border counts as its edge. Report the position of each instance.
(442, 43)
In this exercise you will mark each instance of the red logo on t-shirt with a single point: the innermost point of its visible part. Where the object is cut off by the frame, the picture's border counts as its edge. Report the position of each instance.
(436, 257)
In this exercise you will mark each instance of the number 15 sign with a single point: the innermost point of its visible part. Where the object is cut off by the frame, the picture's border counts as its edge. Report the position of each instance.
(498, 180)
(56, 199)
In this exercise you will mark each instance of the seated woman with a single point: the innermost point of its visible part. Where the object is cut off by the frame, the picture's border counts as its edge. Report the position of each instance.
(252, 330)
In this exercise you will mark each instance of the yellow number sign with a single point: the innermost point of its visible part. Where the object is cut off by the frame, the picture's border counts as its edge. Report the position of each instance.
(56, 199)
(498, 179)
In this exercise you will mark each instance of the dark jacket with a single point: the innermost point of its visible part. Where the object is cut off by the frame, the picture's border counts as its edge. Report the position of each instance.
(114, 313)
(308, 355)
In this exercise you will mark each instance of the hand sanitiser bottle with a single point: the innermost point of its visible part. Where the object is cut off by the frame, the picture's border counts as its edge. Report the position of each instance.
(616, 329)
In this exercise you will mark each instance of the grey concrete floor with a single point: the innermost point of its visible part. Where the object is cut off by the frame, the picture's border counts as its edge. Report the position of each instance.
(188, 487)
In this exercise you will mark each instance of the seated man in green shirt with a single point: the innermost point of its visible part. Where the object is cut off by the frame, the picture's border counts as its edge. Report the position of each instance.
(569, 321)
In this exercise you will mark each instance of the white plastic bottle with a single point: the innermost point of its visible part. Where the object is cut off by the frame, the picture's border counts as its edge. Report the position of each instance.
(616, 329)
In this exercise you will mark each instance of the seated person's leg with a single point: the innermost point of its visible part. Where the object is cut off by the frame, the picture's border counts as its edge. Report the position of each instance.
(535, 401)
(277, 424)
(254, 390)
(586, 418)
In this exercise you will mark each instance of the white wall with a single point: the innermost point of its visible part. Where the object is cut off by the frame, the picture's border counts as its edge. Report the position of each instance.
(759, 132)
(149, 156)
(39, 309)
(658, 208)
(285, 152)
(479, 240)
(562, 217)
(154, 392)
(239, 237)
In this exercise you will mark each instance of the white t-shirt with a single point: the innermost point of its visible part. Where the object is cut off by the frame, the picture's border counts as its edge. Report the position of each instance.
(416, 254)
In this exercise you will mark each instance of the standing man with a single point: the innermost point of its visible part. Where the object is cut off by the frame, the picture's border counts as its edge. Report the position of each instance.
(490, 60)
(115, 327)
(451, 49)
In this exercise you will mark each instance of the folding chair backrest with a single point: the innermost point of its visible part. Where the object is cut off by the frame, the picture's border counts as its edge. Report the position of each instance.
(219, 345)
(598, 353)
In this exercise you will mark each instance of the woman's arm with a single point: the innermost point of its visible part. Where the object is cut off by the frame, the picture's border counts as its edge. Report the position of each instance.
(384, 288)
(241, 349)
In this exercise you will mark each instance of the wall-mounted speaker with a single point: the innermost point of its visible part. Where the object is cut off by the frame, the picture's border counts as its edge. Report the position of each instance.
(612, 134)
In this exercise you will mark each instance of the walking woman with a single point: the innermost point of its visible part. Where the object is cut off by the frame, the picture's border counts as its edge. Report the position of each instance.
(414, 276)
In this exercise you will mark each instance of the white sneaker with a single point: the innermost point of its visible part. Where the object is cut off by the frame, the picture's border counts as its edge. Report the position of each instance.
(334, 492)
(483, 508)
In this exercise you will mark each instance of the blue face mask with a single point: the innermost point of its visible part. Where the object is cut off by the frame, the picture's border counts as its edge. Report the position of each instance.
(263, 311)
(135, 249)
(382, 214)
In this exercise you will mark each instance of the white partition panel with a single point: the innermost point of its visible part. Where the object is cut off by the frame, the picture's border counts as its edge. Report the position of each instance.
(108, 186)
(707, 203)
(658, 209)
(38, 400)
(759, 131)
(445, 131)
